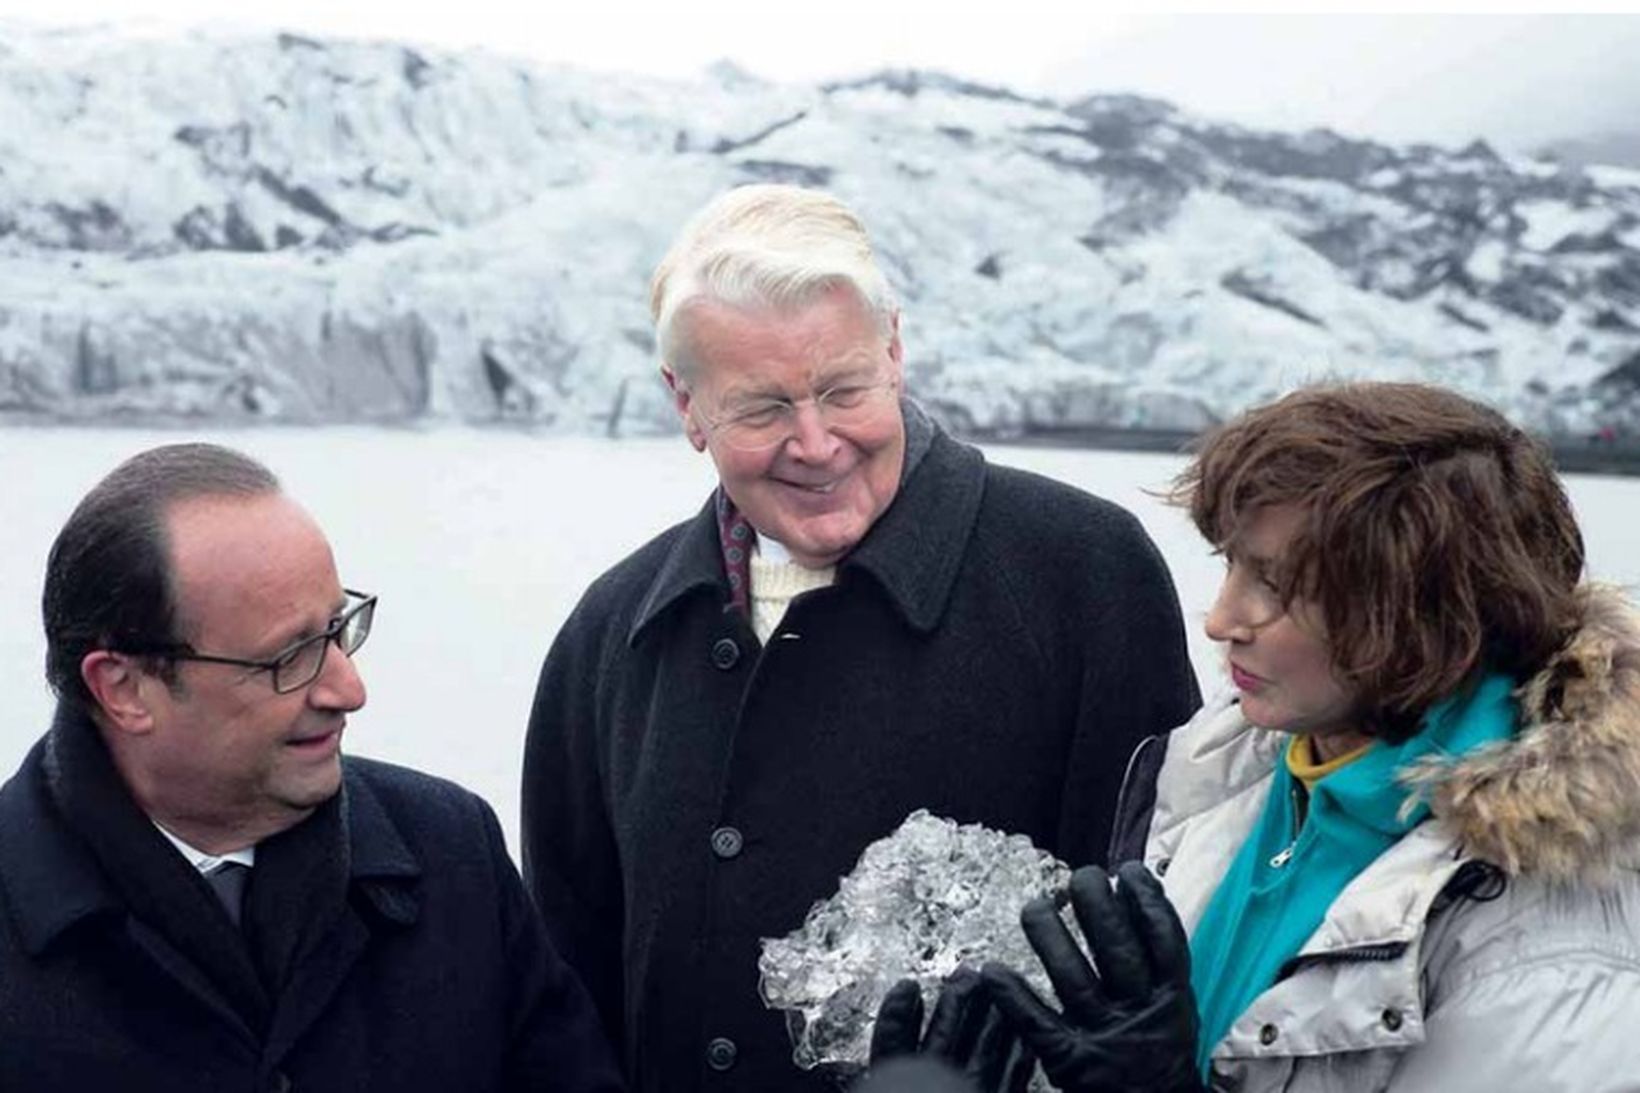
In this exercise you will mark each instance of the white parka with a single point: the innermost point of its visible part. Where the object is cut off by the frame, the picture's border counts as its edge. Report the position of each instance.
(1496, 947)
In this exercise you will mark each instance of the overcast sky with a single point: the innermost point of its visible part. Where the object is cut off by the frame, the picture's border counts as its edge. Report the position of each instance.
(1516, 79)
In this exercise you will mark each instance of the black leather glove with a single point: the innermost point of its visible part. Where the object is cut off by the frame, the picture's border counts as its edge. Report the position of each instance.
(967, 1046)
(913, 1074)
(1131, 1026)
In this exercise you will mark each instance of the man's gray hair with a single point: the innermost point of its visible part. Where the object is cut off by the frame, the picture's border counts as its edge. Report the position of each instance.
(764, 246)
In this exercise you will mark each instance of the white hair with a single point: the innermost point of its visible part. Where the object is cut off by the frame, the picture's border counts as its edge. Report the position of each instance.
(764, 246)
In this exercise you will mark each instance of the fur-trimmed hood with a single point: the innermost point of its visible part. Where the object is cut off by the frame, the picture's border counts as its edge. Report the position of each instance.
(1562, 799)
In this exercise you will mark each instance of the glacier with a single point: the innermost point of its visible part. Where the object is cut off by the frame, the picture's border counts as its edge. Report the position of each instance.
(244, 227)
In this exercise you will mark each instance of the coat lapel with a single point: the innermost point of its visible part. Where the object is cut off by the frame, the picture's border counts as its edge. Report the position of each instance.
(694, 562)
(314, 982)
(187, 975)
(142, 875)
(384, 890)
(55, 886)
(913, 550)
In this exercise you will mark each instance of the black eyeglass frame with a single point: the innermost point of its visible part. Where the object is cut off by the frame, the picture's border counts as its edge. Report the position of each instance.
(286, 656)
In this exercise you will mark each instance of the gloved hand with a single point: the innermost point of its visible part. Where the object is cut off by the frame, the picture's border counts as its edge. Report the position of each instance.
(1129, 1027)
(913, 1074)
(965, 1034)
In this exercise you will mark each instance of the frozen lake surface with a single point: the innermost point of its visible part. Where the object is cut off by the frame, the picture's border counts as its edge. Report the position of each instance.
(480, 542)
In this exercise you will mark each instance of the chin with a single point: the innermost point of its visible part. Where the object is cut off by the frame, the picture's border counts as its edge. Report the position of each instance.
(822, 551)
(1261, 716)
(314, 792)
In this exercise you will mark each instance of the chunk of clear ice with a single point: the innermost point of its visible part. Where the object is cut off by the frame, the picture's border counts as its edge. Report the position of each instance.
(929, 897)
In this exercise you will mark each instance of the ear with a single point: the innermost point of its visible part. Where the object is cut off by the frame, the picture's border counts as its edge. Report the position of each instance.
(682, 399)
(116, 684)
(896, 352)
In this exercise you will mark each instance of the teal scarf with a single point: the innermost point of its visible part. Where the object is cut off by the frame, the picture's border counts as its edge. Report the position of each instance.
(1279, 887)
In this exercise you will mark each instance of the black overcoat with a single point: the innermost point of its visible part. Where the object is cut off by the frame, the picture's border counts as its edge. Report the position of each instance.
(437, 976)
(992, 651)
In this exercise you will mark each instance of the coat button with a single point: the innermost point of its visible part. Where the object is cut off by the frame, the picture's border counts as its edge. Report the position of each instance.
(1392, 1019)
(720, 1053)
(1163, 866)
(1267, 1035)
(727, 842)
(725, 654)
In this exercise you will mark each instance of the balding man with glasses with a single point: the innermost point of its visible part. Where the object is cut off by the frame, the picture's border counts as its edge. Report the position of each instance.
(200, 892)
(864, 619)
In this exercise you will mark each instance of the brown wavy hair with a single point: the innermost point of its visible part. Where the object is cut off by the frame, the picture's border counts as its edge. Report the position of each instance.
(1436, 541)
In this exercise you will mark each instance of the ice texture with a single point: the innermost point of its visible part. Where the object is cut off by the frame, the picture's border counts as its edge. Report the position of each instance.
(244, 226)
(930, 897)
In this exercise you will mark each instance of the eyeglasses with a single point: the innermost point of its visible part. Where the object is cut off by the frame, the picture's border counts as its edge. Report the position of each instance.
(762, 423)
(298, 665)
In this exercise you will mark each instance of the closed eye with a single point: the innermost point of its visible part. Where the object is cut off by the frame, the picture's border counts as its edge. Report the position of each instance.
(845, 397)
(760, 413)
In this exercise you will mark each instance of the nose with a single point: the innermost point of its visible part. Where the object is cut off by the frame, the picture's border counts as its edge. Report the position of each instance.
(812, 440)
(1227, 619)
(339, 686)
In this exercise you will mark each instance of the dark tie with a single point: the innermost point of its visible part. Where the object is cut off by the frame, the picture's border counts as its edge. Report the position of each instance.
(227, 880)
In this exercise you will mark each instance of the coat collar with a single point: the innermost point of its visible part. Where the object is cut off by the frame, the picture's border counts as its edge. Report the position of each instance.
(382, 867)
(913, 551)
(1562, 799)
(1369, 940)
(53, 882)
(692, 563)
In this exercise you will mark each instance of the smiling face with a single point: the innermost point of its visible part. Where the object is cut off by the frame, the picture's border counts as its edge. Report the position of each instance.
(226, 761)
(818, 491)
(1278, 654)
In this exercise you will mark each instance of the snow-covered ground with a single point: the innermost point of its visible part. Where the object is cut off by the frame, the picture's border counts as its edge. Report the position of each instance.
(480, 542)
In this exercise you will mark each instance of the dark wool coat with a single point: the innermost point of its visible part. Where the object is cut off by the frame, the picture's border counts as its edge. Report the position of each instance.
(434, 976)
(992, 651)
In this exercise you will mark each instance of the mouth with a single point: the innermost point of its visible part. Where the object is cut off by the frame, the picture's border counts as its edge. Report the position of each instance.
(820, 488)
(1245, 680)
(316, 742)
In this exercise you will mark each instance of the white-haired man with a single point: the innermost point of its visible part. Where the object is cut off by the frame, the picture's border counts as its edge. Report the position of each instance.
(863, 620)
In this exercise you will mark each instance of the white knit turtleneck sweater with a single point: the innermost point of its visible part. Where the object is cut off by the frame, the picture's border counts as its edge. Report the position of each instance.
(776, 580)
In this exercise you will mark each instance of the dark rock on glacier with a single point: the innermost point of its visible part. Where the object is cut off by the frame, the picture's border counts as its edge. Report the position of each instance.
(793, 174)
(725, 145)
(1259, 290)
(93, 227)
(202, 228)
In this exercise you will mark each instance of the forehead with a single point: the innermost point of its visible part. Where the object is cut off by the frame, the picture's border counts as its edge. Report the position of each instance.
(1266, 532)
(733, 345)
(243, 567)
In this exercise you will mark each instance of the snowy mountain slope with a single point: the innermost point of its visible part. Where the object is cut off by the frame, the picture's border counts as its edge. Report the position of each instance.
(286, 228)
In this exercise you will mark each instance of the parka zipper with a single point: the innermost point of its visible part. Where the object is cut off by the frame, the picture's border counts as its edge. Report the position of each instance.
(1285, 854)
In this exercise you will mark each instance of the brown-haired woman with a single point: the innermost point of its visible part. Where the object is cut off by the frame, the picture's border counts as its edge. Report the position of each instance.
(1404, 849)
